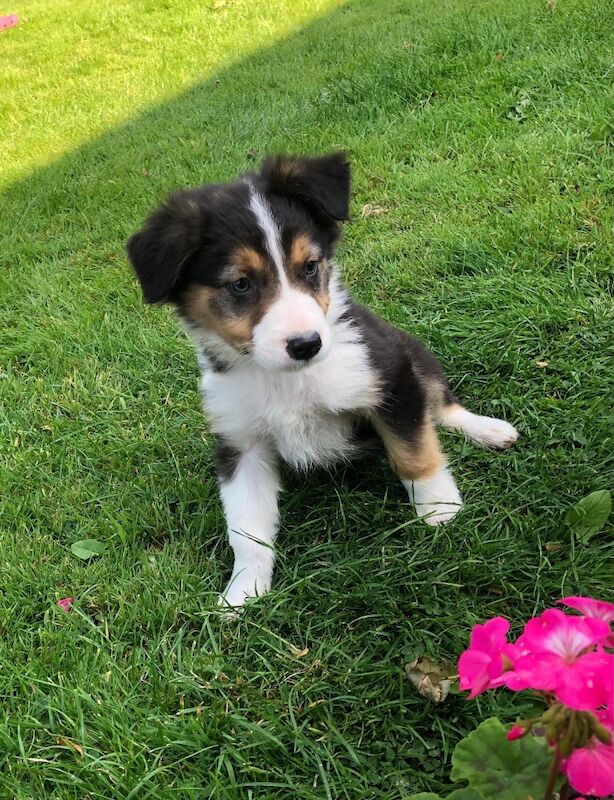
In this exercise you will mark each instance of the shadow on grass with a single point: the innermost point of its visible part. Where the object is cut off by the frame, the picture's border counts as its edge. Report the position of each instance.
(337, 82)
(275, 99)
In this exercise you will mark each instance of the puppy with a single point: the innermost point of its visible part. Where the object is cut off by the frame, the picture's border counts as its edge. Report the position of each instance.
(292, 368)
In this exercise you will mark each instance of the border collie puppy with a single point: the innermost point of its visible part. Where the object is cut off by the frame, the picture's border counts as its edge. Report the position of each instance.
(292, 368)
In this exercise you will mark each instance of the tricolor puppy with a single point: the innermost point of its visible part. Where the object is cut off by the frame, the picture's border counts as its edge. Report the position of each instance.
(292, 368)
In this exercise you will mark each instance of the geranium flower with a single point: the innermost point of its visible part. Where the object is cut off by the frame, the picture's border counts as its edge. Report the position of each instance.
(592, 608)
(554, 655)
(590, 769)
(482, 662)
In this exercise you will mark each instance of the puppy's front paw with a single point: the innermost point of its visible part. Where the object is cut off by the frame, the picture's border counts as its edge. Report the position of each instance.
(437, 499)
(243, 585)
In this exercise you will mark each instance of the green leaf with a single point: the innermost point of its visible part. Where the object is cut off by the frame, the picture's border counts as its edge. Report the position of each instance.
(589, 515)
(424, 796)
(500, 770)
(86, 548)
(457, 794)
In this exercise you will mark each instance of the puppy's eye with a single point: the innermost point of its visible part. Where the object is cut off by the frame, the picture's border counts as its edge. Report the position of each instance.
(242, 286)
(311, 269)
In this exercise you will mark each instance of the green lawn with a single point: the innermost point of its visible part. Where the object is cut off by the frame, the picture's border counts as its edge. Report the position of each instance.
(483, 134)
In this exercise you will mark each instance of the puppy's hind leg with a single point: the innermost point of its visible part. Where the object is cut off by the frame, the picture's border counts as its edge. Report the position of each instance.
(487, 431)
(421, 466)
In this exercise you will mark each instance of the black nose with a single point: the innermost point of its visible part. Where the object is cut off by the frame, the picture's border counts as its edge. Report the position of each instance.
(304, 346)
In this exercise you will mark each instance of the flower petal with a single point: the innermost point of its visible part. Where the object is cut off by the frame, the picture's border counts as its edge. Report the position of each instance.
(586, 684)
(568, 637)
(489, 636)
(590, 608)
(473, 671)
(590, 769)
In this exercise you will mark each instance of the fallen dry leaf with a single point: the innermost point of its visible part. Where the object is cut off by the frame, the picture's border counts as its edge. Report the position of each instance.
(372, 210)
(552, 5)
(299, 653)
(432, 680)
(542, 364)
(76, 748)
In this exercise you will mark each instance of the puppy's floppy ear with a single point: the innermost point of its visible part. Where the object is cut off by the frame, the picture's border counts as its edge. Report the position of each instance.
(321, 184)
(162, 248)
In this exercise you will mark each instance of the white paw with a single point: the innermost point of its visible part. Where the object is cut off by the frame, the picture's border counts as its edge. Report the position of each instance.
(492, 432)
(437, 499)
(489, 431)
(437, 513)
(244, 584)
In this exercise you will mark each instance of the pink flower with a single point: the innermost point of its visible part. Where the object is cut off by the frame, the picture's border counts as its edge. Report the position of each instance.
(588, 683)
(554, 654)
(482, 662)
(516, 732)
(592, 608)
(65, 603)
(590, 769)
(568, 637)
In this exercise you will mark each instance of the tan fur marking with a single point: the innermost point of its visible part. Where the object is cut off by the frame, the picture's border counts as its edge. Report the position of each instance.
(435, 396)
(413, 461)
(323, 300)
(247, 259)
(303, 250)
(236, 331)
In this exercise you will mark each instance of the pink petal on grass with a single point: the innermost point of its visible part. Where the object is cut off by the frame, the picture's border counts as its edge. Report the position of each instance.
(65, 603)
(8, 21)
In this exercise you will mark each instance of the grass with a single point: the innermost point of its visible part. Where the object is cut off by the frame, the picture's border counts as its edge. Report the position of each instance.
(483, 133)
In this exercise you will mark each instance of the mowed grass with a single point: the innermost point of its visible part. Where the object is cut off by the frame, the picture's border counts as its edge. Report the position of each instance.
(482, 142)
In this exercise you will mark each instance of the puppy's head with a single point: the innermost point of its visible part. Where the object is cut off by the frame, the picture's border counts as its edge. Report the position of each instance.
(247, 264)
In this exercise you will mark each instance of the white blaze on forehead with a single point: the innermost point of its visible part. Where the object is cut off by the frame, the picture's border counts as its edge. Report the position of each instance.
(266, 222)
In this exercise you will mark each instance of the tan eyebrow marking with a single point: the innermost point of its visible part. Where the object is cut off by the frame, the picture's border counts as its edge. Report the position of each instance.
(303, 249)
(248, 259)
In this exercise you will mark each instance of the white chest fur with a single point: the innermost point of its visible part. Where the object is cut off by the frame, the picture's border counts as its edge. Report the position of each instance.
(302, 413)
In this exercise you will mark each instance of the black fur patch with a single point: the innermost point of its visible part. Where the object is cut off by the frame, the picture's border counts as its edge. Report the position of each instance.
(322, 184)
(227, 459)
(405, 366)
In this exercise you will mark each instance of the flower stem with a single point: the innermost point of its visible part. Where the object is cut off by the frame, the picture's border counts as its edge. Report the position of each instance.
(564, 791)
(554, 773)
